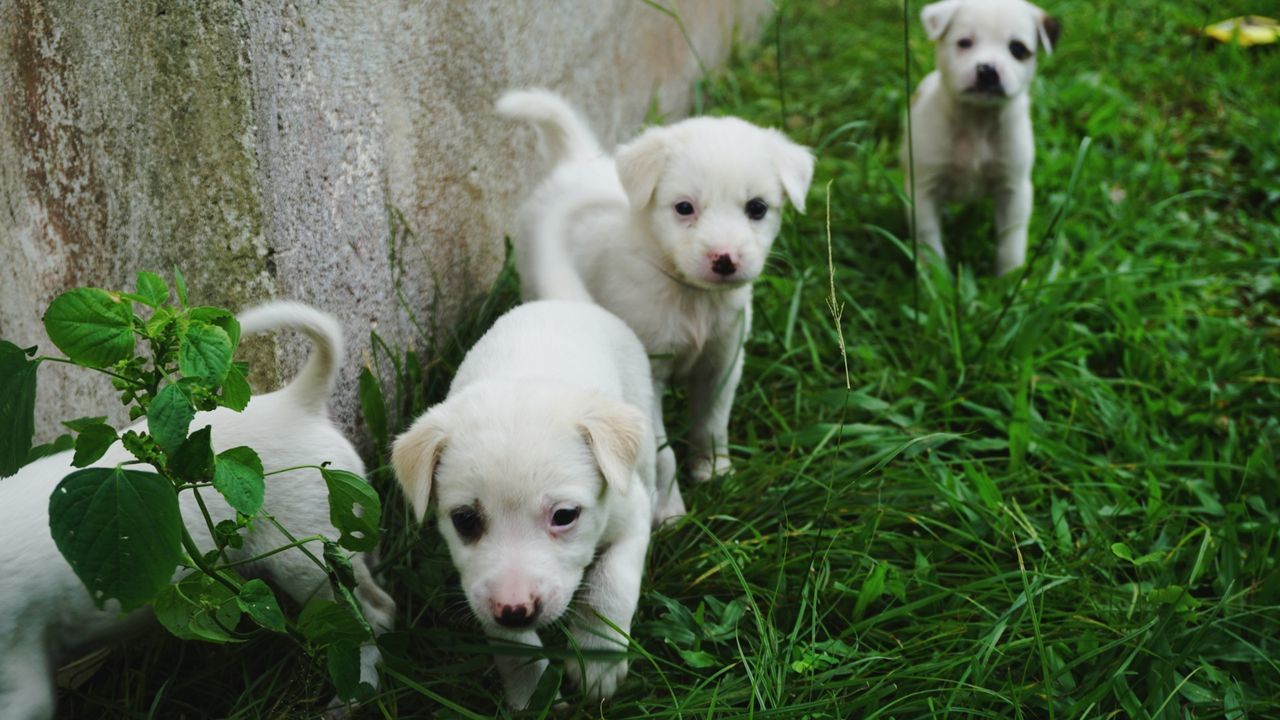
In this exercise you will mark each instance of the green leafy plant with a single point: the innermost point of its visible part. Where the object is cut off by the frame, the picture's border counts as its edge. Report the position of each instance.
(119, 525)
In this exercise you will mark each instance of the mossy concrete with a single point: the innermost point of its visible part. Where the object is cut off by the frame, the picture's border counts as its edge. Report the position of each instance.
(295, 149)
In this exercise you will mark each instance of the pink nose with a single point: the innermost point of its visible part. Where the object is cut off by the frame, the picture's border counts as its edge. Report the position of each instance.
(723, 264)
(515, 616)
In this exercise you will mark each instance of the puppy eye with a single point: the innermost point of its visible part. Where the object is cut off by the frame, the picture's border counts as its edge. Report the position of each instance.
(468, 523)
(965, 43)
(564, 517)
(757, 208)
(685, 208)
(1018, 50)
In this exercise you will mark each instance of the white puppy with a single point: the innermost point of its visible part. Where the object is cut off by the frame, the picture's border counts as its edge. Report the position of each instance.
(668, 235)
(47, 616)
(541, 460)
(970, 119)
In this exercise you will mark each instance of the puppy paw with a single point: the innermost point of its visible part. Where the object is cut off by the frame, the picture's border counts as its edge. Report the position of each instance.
(666, 467)
(669, 508)
(597, 680)
(706, 468)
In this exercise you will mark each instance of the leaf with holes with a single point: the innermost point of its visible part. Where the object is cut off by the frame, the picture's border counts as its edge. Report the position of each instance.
(93, 327)
(353, 509)
(17, 406)
(238, 476)
(120, 530)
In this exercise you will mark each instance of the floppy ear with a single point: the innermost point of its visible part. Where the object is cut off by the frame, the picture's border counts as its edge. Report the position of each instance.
(414, 456)
(615, 433)
(937, 16)
(1048, 28)
(640, 164)
(794, 164)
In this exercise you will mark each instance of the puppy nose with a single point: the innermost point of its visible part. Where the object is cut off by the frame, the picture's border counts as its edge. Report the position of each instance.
(987, 76)
(517, 616)
(723, 265)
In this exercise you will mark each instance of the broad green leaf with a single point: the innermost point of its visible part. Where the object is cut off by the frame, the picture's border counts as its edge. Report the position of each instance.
(120, 530)
(324, 622)
(220, 318)
(198, 608)
(62, 444)
(238, 476)
(257, 600)
(79, 424)
(180, 286)
(373, 407)
(354, 509)
(193, 461)
(698, 659)
(91, 326)
(169, 417)
(92, 444)
(17, 406)
(152, 288)
(1122, 551)
(205, 353)
(235, 389)
(343, 662)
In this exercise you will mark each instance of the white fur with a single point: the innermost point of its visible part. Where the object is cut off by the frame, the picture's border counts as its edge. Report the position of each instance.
(605, 229)
(46, 614)
(967, 143)
(548, 411)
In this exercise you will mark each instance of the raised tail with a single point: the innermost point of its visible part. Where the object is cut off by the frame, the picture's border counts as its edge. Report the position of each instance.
(314, 383)
(565, 135)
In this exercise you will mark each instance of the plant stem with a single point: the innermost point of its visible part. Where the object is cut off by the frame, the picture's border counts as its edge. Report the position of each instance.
(269, 553)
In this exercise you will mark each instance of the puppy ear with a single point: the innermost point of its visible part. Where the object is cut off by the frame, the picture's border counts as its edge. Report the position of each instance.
(640, 164)
(937, 17)
(615, 433)
(1048, 28)
(414, 456)
(795, 168)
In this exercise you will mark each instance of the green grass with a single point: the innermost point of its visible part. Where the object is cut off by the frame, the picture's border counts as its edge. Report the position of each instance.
(1052, 498)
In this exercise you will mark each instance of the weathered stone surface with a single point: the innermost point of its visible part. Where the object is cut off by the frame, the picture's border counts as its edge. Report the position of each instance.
(339, 153)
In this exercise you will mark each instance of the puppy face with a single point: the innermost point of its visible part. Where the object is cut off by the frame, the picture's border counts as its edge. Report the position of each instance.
(524, 479)
(711, 191)
(986, 49)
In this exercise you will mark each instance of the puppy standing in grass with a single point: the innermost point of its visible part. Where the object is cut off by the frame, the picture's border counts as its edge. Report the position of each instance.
(668, 234)
(541, 461)
(971, 121)
(47, 616)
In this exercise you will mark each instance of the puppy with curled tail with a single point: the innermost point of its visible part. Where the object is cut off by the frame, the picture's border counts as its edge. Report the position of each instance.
(541, 465)
(668, 234)
(971, 132)
(47, 617)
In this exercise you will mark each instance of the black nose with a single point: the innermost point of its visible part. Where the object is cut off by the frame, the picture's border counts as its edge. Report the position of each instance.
(723, 265)
(988, 77)
(518, 616)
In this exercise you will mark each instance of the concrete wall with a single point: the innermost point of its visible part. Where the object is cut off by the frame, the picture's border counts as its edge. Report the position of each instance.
(326, 151)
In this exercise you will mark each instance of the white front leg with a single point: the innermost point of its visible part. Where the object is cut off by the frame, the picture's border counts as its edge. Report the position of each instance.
(669, 503)
(520, 673)
(1013, 213)
(612, 590)
(928, 218)
(713, 382)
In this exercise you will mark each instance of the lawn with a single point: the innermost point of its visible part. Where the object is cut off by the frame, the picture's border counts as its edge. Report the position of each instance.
(1052, 495)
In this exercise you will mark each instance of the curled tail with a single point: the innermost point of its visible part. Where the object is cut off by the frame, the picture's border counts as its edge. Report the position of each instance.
(547, 267)
(314, 383)
(565, 134)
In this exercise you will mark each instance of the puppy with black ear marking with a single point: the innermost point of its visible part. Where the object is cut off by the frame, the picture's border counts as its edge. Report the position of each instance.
(541, 462)
(668, 234)
(970, 119)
